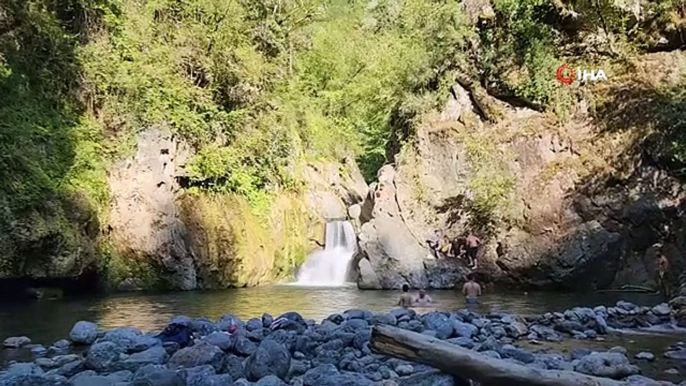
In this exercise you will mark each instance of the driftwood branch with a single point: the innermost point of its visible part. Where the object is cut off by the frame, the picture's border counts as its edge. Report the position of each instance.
(455, 360)
(630, 289)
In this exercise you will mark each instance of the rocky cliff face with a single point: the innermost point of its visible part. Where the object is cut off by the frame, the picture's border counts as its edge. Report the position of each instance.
(576, 204)
(167, 237)
(145, 221)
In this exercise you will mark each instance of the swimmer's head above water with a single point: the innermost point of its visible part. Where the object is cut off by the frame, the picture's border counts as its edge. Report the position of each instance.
(406, 287)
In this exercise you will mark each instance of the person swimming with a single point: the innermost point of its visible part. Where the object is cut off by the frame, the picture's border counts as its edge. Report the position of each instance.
(471, 290)
(405, 300)
(422, 300)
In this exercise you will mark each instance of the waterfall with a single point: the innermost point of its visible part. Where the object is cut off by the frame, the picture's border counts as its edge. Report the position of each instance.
(329, 267)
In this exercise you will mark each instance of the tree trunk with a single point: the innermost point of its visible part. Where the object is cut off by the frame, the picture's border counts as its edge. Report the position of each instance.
(455, 360)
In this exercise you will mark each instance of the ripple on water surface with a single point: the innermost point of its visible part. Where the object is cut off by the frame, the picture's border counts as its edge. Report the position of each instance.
(46, 321)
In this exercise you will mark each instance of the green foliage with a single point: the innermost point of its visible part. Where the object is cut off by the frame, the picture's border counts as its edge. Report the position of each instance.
(48, 153)
(521, 51)
(256, 87)
(491, 183)
(115, 268)
(668, 144)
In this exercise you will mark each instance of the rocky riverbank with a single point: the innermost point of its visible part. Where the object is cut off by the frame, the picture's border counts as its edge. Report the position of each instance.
(295, 351)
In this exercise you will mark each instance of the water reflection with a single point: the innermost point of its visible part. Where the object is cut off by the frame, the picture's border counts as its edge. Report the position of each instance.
(46, 321)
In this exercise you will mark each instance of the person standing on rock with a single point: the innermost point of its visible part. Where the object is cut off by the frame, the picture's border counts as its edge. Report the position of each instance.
(458, 248)
(446, 246)
(434, 243)
(473, 244)
(662, 270)
(471, 290)
(405, 300)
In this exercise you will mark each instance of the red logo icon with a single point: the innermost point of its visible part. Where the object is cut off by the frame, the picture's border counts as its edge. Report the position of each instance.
(566, 74)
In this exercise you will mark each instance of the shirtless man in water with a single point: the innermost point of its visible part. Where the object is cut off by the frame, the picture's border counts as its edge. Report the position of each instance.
(471, 290)
(423, 300)
(405, 300)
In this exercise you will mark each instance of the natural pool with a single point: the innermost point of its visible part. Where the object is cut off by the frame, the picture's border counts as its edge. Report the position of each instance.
(49, 320)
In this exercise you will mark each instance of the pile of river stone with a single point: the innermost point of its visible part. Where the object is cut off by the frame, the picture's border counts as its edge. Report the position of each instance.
(302, 352)
(587, 323)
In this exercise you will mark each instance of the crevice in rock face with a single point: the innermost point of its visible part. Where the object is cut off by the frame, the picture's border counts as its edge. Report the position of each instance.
(185, 182)
(477, 107)
(23, 288)
(400, 211)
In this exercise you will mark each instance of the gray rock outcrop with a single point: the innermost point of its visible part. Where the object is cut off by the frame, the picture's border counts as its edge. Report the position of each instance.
(555, 222)
(270, 358)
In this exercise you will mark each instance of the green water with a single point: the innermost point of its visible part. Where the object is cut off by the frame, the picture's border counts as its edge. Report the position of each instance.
(49, 320)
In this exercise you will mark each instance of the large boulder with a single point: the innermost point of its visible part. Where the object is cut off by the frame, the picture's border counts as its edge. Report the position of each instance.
(518, 354)
(244, 346)
(233, 366)
(155, 356)
(145, 342)
(320, 375)
(444, 273)
(587, 250)
(200, 354)
(84, 333)
(70, 369)
(466, 330)
(101, 356)
(92, 380)
(197, 376)
(393, 254)
(126, 337)
(24, 368)
(538, 331)
(156, 375)
(221, 339)
(678, 302)
(516, 329)
(31, 380)
(439, 322)
(271, 358)
(270, 380)
(368, 279)
(16, 342)
(428, 378)
(61, 360)
(679, 354)
(609, 365)
(328, 374)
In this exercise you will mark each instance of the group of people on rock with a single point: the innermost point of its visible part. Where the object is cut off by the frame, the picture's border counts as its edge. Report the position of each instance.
(471, 291)
(442, 246)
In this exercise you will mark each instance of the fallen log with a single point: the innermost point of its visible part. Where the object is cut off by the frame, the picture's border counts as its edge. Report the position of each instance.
(458, 361)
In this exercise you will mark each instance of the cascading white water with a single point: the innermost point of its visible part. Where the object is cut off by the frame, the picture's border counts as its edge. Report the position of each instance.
(329, 267)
